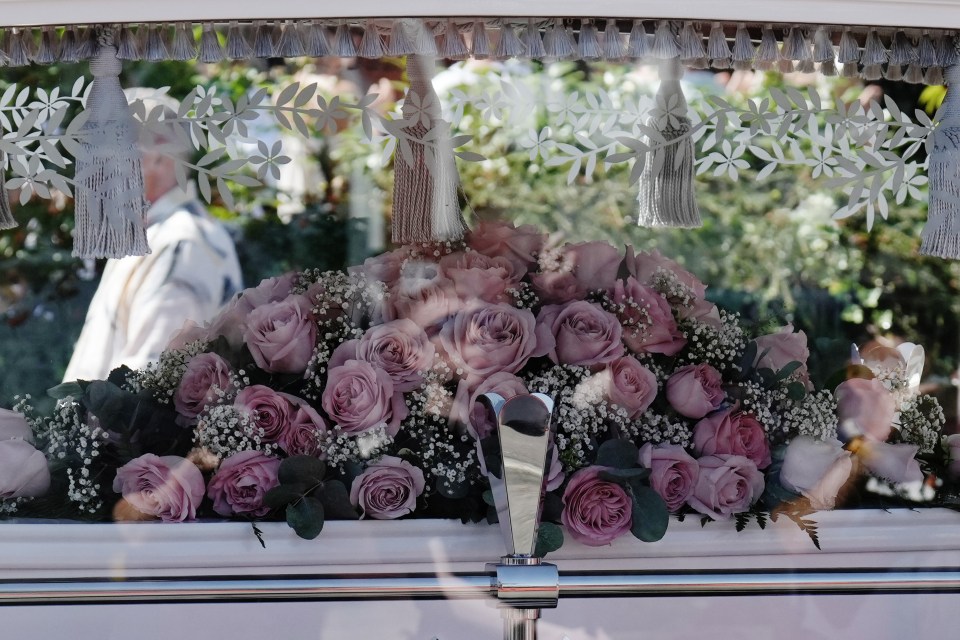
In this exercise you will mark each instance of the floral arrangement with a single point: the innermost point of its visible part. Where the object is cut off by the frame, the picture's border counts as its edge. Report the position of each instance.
(345, 395)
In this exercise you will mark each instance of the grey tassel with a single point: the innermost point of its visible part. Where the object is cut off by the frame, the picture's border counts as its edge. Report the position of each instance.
(371, 44)
(454, 46)
(871, 72)
(894, 72)
(109, 203)
(717, 47)
(211, 51)
(532, 41)
(665, 44)
(941, 234)
(47, 51)
(557, 42)
(902, 51)
(7, 221)
(184, 45)
(743, 50)
(424, 43)
(612, 44)
(933, 77)
(849, 49)
(639, 45)
(316, 42)
(768, 52)
(850, 70)
(926, 51)
(795, 46)
(264, 45)
(68, 46)
(666, 199)
(426, 205)
(914, 74)
(289, 45)
(237, 46)
(786, 66)
(828, 68)
(698, 63)
(691, 43)
(822, 46)
(589, 45)
(401, 43)
(343, 46)
(874, 52)
(87, 44)
(946, 52)
(19, 49)
(806, 66)
(479, 42)
(128, 46)
(156, 47)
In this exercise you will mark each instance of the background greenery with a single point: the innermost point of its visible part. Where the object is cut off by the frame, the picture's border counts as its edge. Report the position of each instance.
(768, 250)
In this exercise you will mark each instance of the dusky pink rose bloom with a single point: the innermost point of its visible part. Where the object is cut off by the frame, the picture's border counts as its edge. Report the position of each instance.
(594, 264)
(557, 287)
(953, 446)
(726, 485)
(383, 268)
(468, 409)
(783, 347)
(595, 512)
(479, 277)
(734, 433)
(487, 339)
(865, 407)
(644, 267)
(630, 385)
(301, 435)
(24, 472)
(14, 425)
(816, 469)
(423, 296)
(520, 245)
(387, 489)
(281, 336)
(583, 332)
(204, 375)
(648, 322)
(166, 487)
(241, 481)
(189, 332)
(359, 397)
(695, 390)
(673, 473)
(399, 347)
(555, 475)
(231, 322)
(270, 411)
(894, 462)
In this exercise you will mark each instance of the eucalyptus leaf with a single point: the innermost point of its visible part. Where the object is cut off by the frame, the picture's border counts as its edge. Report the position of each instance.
(283, 494)
(302, 469)
(306, 517)
(336, 501)
(549, 539)
(650, 515)
(64, 390)
(618, 454)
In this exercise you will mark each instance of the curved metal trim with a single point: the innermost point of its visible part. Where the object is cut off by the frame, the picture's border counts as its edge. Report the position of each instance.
(457, 586)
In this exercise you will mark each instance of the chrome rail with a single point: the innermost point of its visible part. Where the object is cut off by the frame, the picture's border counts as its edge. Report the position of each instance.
(473, 586)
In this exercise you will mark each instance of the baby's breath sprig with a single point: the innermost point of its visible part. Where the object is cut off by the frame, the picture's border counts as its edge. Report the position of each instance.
(163, 376)
(721, 347)
(657, 428)
(921, 422)
(226, 429)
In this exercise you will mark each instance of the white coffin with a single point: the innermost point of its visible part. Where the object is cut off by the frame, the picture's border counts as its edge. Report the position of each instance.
(856, 540)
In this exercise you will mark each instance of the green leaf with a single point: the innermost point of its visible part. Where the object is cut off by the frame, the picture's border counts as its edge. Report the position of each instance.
(549, 539)
(302, 469)
(796, 391)
(787, 369)
(621, 475)
(488, 498)
(283, 494)
(452, 490)
(336, 501)
(650, 515)
(61, 391)
(619, 454)
(306, 517)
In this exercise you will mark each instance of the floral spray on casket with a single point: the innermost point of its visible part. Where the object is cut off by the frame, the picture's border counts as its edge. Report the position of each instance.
(357, 394)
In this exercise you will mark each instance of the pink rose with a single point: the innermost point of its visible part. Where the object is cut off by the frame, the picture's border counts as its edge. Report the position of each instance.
(781, 348)
(270, 411)
(595, 512)
(584, 333)
(471, 412)
(695, 390)
(241, 481)
(388, 489)
(673, 472)
(726, 485)
(648, 323)
(953, 446)
(555, 475)
(359, 397)
(595, 264)
(816, 469)
(520, 245)
(557, 287)
(14, 425)
(732, 433)
(894, 462)
(231, 322)
(301, 436)
(865, 407)
(206, 374)
(630, 385)
(479, 277)
(423, 296)
(189, 332)
(647, 267)
(24, 472)
(167, 487)
(384, 268)
(487, 339)
(401, 348)
(282, 335)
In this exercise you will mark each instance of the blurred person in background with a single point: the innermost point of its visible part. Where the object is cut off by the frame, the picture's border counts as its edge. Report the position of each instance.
(192, 270)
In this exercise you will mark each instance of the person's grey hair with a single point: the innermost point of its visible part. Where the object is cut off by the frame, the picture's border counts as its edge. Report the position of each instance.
(152, 138)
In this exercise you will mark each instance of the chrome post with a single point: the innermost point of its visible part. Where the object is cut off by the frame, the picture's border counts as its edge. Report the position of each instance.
(524, 584)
